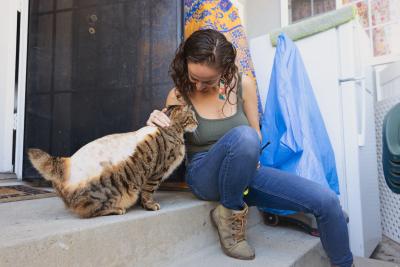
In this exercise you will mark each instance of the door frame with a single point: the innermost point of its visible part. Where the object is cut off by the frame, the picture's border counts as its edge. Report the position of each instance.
(20, 117)
(9, 120)
(8, 26)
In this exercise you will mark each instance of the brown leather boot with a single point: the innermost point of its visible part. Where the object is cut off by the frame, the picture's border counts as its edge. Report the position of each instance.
(231, 226)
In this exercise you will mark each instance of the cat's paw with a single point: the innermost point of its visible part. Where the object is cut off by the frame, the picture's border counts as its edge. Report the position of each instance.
(151, 205)
(121, 211)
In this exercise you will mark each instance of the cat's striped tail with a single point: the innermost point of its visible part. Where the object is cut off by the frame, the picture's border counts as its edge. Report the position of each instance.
(51, 168)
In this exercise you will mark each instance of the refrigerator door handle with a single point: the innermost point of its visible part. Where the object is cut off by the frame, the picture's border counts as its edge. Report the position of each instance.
(352, 79)
(361, 135)
(360, 81)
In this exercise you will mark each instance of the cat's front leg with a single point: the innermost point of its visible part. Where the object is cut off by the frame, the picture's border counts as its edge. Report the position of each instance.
(146, 196)
(150, 204)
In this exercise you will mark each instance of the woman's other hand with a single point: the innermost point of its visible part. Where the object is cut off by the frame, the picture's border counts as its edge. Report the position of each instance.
(158, 118)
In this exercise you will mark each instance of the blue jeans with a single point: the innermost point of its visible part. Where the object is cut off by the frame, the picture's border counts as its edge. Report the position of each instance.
(230, 166)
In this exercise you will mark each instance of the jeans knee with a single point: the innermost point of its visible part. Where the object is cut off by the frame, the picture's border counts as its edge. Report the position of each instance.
(246, 142)
(329, 204)
(202, 192)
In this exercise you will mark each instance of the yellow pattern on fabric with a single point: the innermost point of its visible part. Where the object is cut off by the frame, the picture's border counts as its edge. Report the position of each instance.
(222, 16)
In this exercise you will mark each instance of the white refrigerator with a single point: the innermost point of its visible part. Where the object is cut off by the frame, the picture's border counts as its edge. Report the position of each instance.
(336, 62)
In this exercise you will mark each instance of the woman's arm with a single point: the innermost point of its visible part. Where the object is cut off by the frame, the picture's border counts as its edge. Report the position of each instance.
(250, 104)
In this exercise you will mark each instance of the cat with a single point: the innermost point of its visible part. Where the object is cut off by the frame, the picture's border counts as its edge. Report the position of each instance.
(110, 174)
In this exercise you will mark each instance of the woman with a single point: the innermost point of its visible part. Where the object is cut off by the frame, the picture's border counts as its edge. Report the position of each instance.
(222, 155)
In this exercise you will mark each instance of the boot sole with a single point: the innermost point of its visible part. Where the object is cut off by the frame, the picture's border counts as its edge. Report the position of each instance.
(222, 246)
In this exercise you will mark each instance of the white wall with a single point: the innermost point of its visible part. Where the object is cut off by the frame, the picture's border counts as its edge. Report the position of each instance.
(262, 16)
(259, 16)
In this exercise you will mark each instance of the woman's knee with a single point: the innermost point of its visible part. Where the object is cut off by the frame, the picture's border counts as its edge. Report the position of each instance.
(245, 141)
(210, 194)
(328, 204)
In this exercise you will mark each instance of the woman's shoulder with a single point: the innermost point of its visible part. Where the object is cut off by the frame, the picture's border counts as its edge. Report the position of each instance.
(247, 81)
(174, 98)
(248, 87)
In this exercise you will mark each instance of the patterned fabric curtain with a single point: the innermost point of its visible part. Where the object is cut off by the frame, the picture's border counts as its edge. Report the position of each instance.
(223, 16)
(381, 20)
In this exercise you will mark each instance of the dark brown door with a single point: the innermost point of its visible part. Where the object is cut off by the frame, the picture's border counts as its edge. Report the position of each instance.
(95, 67)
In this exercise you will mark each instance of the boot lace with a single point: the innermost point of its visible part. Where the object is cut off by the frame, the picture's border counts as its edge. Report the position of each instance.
(238, 226)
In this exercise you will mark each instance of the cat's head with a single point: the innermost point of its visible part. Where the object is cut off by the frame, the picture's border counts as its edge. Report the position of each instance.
(184, 115)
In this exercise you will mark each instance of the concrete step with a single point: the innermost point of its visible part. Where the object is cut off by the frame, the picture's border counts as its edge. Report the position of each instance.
(7, 176)
(365, 262)
(275, 247)
(43, 233)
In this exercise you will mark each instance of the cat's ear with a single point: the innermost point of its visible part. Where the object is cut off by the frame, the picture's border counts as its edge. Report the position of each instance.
(169, 109)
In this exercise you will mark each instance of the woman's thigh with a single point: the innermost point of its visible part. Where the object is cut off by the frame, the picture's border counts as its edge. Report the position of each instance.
(204, 168)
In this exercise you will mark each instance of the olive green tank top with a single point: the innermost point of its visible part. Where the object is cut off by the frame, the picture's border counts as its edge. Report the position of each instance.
(209, 131)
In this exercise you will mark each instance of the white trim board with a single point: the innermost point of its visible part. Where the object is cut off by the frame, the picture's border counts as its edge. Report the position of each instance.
(391, 72)
(23, 54)
(284, 13)
(8, 28)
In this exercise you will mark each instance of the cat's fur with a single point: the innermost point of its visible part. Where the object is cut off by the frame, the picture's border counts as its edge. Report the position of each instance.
(108, 175)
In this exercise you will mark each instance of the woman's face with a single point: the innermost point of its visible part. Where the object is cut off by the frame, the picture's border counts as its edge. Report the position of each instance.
(205, 77)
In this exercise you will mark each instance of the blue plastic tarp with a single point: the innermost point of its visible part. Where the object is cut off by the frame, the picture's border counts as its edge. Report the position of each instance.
(293, 124)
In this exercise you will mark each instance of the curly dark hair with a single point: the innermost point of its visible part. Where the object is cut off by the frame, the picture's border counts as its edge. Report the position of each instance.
(205, 47)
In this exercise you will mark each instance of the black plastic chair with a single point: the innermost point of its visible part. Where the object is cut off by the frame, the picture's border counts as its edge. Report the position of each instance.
(391, 148)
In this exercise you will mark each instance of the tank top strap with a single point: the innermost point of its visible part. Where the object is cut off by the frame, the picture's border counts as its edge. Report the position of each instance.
(190, 104)
(239, 93)
(239, 86)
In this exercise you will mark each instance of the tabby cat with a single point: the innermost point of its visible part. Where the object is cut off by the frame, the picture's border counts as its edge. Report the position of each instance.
(108, 175)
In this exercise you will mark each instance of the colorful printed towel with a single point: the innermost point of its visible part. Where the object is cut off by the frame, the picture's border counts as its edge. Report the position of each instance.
(223, 16)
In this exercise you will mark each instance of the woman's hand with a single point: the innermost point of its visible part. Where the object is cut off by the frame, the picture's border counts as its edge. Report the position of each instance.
(158, 118)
